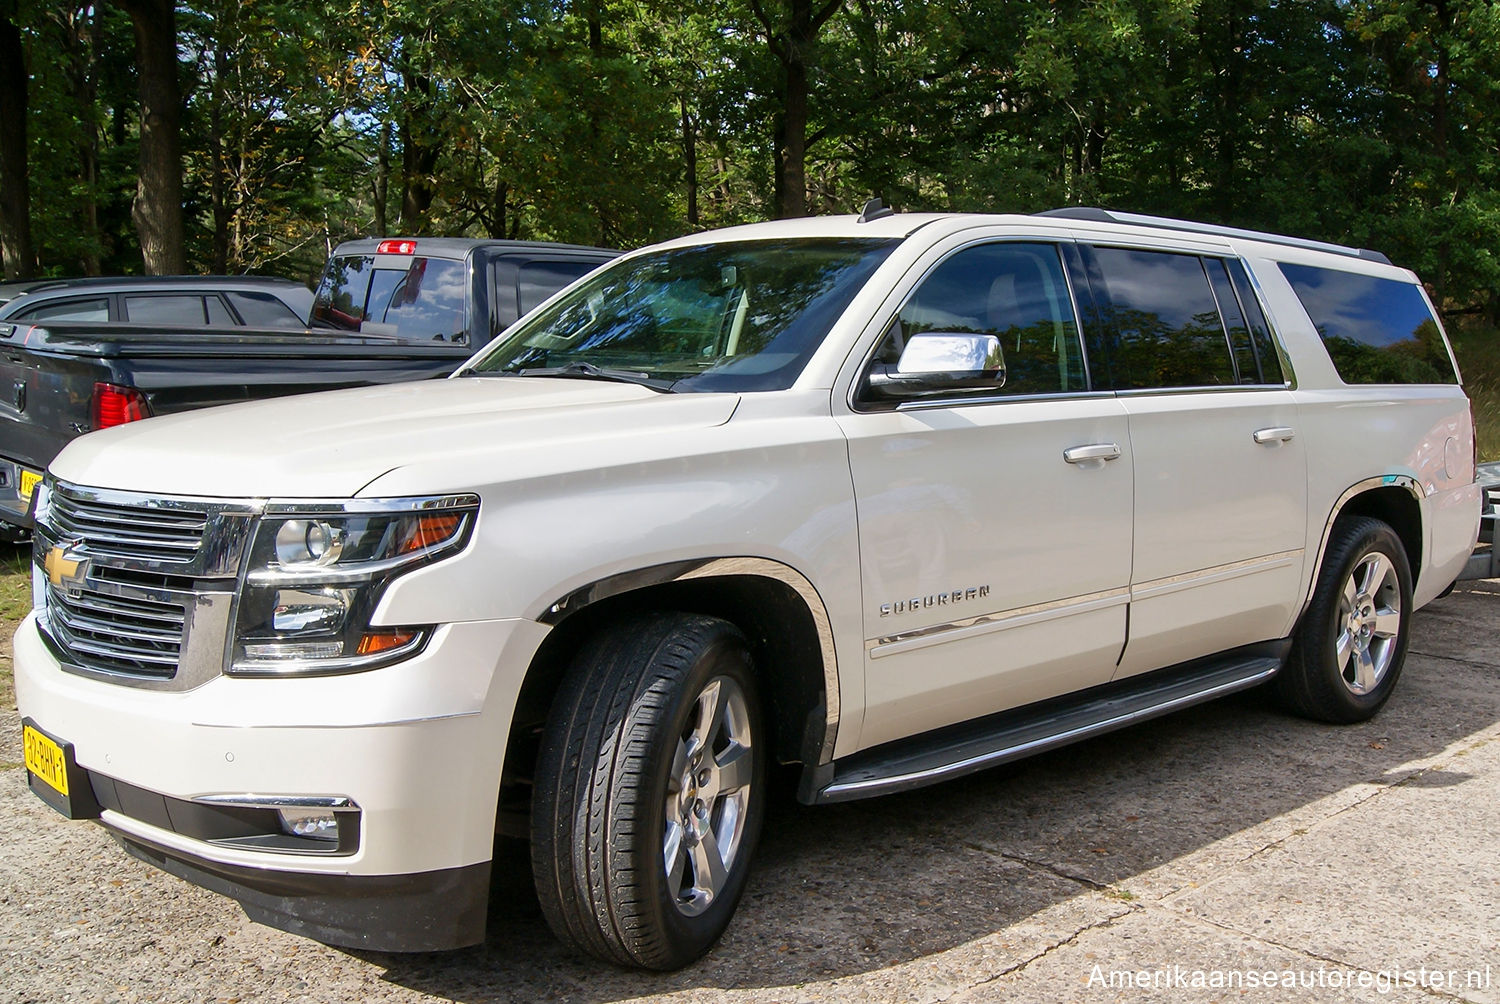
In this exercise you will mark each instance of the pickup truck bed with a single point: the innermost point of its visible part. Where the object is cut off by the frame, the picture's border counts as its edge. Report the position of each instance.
(48, 376)
(386, 311)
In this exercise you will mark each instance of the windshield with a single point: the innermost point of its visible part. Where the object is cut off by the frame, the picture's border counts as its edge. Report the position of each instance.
(421, 302)
(718, 317)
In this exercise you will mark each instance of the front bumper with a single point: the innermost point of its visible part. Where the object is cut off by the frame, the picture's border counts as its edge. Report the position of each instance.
(417, 746)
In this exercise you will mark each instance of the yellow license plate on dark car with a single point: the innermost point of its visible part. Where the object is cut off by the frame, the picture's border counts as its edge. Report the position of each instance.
(45, 760)
(29, 481)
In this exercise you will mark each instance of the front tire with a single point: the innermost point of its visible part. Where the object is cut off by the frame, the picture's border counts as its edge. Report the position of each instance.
(1351, 645)
(650, 791)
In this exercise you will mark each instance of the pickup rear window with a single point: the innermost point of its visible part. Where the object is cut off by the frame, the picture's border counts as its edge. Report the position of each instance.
(422, 302)
(1376, 330)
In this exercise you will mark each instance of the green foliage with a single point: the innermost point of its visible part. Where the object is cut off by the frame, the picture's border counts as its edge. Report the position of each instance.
(1371, 122)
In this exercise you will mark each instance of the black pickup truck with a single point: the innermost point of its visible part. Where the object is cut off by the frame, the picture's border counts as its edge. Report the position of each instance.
(385, 311)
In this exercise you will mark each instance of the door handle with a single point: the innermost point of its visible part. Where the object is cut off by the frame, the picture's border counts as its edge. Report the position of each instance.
(1274, 437)
(1097, 451)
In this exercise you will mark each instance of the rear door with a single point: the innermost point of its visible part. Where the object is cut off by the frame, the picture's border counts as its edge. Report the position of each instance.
(994, 528)
(1220, 468)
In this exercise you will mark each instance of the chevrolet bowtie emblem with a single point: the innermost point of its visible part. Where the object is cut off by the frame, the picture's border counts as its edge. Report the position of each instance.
(61, 568)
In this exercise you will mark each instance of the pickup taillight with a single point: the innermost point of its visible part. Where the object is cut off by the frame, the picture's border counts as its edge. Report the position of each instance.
(115, 405)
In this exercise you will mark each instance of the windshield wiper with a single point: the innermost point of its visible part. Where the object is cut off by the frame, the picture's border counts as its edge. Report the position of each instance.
(588, 371)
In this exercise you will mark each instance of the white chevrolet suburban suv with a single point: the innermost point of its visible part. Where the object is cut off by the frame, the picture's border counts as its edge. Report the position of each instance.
(894, 498)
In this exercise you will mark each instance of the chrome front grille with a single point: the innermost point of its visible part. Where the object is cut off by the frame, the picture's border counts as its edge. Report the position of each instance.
(139, 588)
(152, 529)
(121, 632)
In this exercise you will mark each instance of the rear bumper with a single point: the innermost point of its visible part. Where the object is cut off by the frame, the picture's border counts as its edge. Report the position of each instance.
(15, 515)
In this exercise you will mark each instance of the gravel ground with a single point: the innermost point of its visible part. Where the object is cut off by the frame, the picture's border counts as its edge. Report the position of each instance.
(1226, 838)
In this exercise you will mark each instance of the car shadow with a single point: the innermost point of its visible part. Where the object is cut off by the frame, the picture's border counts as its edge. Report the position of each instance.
(859, 887)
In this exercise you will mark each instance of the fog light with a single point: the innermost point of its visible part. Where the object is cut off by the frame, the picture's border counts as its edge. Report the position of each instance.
(313, 823)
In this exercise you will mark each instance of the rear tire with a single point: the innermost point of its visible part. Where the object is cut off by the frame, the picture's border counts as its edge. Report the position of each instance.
(650, 791)
(1351, 645)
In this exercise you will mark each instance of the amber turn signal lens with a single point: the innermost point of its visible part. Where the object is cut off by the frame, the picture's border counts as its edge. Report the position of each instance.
(375, 642)
(426, 531)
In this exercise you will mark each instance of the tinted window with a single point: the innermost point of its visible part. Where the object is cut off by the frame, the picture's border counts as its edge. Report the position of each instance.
(424, 302)
(540, 279)
(340, 299)
(1242, 351)
(95, 309)
(1015, 291)
(218, 314)
(1166, 324)
(730, 317)
(1266, 355)
(262, 310)
(1375, 330)
(1255, 360)
(164, 309)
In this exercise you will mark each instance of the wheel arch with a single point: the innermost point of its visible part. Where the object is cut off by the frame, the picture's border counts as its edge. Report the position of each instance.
(1394, 499)
(775, 606)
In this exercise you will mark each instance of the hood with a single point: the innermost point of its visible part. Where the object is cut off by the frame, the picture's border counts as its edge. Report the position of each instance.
(332, 444)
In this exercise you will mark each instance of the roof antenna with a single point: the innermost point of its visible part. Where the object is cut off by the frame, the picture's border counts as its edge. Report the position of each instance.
(875, 209)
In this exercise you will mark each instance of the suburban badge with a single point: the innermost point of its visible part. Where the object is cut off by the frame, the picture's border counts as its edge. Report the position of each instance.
(934, 600)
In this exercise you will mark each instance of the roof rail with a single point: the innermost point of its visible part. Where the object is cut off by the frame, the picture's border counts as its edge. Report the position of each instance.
(1093, 215)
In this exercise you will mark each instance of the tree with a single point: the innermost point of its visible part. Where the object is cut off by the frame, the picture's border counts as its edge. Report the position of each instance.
(15, 187)
(157, 210)
(791, 32)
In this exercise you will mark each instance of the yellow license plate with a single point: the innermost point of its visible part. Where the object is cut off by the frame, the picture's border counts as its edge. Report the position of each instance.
(29, 481)
(44, 758)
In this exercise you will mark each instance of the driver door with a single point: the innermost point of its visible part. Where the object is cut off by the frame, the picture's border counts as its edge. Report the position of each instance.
(994, 523)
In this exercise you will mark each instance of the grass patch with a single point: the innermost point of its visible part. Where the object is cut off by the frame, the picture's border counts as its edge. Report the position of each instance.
(15, 603)
(15, 582)
(1477, 346)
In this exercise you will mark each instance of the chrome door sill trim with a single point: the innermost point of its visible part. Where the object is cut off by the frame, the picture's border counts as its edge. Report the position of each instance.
(1218, 573)
(983, 624)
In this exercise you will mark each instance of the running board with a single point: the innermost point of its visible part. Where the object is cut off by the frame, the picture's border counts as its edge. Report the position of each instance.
(1011, 735)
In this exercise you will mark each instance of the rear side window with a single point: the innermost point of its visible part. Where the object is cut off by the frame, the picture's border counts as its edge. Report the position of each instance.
(218, 314)
(85, 311)
(1376, 330)
(1266, 356)
(540, 279)
(423, 302)
(262, 310)
(180, 309)
(1168, 332)
(1255, 359)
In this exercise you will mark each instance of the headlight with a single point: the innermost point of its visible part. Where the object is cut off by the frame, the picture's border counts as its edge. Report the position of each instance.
(317, 571)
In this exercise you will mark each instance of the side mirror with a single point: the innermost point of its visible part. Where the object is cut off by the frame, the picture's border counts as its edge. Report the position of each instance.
(939, 364)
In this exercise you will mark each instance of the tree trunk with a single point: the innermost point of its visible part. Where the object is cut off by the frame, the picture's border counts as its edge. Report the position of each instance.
(498, 210)
(419, 155)
(690, 161)
(381, 185)
(157, 210)
(794, 45)
(15, 186)
(218, 184)
(84, 43)
(793, 181)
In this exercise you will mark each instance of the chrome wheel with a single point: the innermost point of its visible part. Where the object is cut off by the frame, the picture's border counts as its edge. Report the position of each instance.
(1369, 623)
(708, 796)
